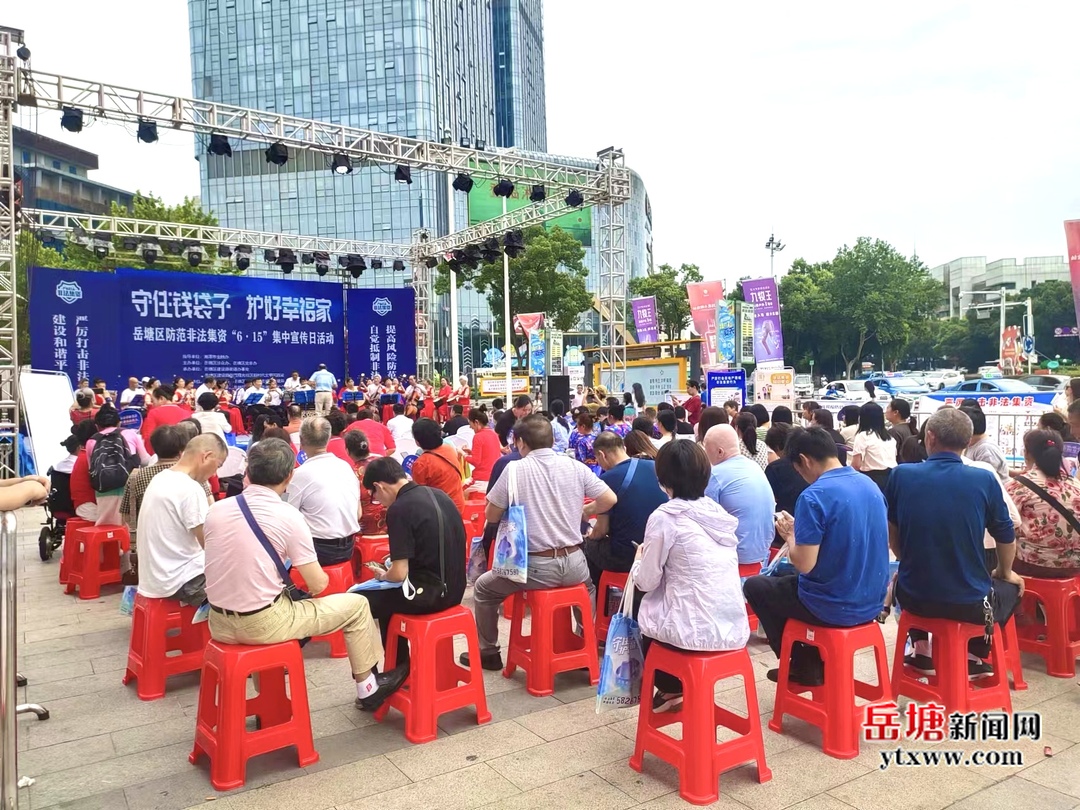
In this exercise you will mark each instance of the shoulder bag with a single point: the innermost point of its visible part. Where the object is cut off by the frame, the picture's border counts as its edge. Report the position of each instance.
(1057, 505)
(291, 590)
(424, 588)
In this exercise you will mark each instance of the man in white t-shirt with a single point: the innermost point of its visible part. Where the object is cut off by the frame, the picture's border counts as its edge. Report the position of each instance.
(133, 390)
(293, 382)
(207, 387)
(171, 557)
(400, 427)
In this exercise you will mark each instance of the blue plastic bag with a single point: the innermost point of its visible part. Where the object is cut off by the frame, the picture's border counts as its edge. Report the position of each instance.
(779, 566)
(624, 663)
(477, 561)
(512, 539)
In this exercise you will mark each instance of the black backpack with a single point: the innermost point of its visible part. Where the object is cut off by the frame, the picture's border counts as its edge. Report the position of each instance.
(111, 462)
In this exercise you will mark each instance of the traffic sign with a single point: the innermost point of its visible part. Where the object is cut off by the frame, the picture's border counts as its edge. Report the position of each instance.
(1053, 364)
(1028, 344)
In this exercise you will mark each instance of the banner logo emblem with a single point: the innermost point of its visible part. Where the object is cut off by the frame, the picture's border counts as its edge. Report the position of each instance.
(382, 306)
(69, 292)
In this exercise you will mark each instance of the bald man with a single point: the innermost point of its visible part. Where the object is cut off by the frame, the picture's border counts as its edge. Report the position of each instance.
(171, 558)
(739, 485)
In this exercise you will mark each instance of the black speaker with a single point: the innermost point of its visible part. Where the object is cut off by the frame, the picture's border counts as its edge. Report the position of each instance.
(558, 388)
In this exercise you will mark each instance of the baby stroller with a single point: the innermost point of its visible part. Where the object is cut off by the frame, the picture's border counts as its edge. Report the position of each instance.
(58, 508)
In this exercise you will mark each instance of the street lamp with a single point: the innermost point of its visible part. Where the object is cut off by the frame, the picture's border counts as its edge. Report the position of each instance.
(774, 246)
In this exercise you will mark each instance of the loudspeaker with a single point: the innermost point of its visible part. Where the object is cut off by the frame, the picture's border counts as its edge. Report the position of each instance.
(558, 388)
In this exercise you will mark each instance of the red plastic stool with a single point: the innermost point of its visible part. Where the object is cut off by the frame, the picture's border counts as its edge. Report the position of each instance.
(160, 627)
(551, 646)
(698, 757)
(1057, 641)
(70, 551)
(608, 579)
(950, 686)
(97, 560)
(832, 707)
(437, 684)
(750, 570)
(221, 728)
(1012, 654)
(368, 548)
(341, 579)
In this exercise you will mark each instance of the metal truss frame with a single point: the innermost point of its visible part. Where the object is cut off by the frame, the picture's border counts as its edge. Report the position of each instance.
(9, 340)
(612, 294)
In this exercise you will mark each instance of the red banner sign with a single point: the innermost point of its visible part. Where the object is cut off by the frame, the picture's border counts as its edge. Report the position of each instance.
(1072, 242)
(704, 297)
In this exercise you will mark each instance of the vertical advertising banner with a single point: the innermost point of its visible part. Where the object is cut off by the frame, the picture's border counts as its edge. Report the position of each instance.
(725, 333)
(646, 322)
(555, 352)
(382, 332)
(1010, 350)
(73, 324)
(768, 339)
(704, 297)
(198, 324)
(1072, 242)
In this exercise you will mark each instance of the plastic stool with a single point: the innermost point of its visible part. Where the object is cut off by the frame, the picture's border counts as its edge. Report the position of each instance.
(1057, 641)
(750, 570)
(437, 684)
(950, 686)
(1012, 655)
(97, 560)
(832, 707)
(221, 728)
(368, 548)
(608, 579)
(70, 551)
(341, 579)
(698, 757)
(551, 646)
(160, 627)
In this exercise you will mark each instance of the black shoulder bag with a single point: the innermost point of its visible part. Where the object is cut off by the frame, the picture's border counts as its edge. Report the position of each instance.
(291, 590)
(1057, 505)
(423, 588)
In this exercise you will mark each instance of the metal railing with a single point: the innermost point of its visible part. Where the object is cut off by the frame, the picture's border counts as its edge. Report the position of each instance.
(9, 679)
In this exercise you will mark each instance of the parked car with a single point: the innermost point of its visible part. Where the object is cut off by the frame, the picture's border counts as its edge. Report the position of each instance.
(942, 378)
(998, 385)
(849, 389)
(804, 385)
(899, 386)
(1043, 382)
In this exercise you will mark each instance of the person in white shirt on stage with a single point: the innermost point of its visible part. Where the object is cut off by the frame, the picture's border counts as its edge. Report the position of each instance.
(210, 419)
(327, 493)
(400, 427)
(325, 387)
(273, 394)
(293, 382)
(252, 390)
(129, 393)
(206, 387)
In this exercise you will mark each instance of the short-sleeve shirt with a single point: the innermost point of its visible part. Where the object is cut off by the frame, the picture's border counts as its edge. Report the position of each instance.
(843, 513)
(439, 468)
(239, 572)
(325, 491)
(642, 497)
(553, 490)
(413, 526)
(693, 409)
(877, 453)
(169, 553)
(379, 438)
(741, 488)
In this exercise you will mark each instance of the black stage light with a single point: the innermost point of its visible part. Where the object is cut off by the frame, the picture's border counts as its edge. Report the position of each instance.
(243, 257)
(286, 260)
(147, 132)
(466, 143)
(431, 262)
(322, 269)
(473, 256)
(490, 250)
(71, 119)
(575, 199)
(129, 242)
(224, 251)
(463, 183)
(270, 256)
(399, 265)
(504, 188)
(322, 262)
(403, 174)
(343, 260)
(307, 258)
(277, 154)
(23, 53)
(194, 256)
(149, 255)
(376, 264)
(356, 272)
(447, 138)
(514, 244)
(538, 194)
(101, 250)
(454, 265)
(219, 145)
(481, 144)
(341, 164)
(173, 247)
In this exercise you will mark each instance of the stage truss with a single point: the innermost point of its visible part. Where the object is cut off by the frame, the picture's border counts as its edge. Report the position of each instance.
(605, 187)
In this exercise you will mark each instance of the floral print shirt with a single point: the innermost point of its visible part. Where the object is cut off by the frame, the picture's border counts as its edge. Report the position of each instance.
(582, 445)
(1044, 537)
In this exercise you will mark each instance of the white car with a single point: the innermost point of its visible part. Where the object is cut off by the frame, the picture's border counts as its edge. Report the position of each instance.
(943, 378)
(848, 390)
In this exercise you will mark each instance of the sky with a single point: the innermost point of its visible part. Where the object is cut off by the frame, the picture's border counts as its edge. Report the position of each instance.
(946, 128)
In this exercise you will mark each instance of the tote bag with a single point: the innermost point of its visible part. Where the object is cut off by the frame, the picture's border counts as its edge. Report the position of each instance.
(512, 540)
(623, 664)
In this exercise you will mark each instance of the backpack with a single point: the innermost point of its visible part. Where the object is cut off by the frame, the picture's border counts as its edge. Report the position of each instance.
(111, 462)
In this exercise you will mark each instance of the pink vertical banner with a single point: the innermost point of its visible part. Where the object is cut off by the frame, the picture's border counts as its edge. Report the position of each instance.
(704, 296)
(1072, 242)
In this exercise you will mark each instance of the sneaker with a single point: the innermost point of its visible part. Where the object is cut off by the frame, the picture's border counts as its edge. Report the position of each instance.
(663, 702)
(389, 682)
(488, 660)
(923, 663)
(813, 676)
(978, 669)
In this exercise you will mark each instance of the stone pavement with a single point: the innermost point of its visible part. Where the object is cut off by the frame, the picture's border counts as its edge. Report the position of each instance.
(104, 748)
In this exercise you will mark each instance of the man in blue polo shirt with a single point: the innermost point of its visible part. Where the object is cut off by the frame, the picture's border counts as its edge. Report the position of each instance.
(739, 485)
(325, 386)
(612, 543)
(939, 512)
(839, 544)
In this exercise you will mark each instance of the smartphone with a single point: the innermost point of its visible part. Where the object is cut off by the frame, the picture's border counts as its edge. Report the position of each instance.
(379, 567)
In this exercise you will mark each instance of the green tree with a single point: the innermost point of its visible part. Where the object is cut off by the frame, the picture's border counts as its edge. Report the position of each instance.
(1052, 306)
(808, 317)
(672, 303)
(548, 277)
(30, 252)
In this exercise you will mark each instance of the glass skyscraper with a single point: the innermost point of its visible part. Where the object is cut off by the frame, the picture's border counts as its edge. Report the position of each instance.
(520, 111)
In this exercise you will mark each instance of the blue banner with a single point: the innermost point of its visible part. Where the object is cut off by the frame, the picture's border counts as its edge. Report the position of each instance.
(722, 386)
(382, 332)
(73, 327)
(231, 327)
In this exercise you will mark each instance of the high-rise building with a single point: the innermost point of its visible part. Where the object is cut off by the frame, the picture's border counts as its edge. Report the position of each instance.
(520, 111)
(55, 177)
(975, 273)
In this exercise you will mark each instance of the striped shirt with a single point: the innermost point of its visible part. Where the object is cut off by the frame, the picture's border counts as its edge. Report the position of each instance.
(553, 489)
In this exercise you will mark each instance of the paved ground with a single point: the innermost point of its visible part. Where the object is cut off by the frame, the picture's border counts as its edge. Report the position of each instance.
(103, 748)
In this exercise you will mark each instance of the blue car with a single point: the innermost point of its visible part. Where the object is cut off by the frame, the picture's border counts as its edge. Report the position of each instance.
(899, 386)
(997, 385)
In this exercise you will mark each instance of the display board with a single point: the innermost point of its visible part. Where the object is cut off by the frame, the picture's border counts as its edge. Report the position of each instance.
(1008, 417)
(659, 378)
(774, 387)
(46, 397)
(382, 331)
(723, 386)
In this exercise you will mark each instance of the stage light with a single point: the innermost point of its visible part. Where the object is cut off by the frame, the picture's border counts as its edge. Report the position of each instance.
(101, 244)
(575, 199)
(307, 258)
(403, 174)
(504, 188)
(322, 269)
(466, 143)
(473, 256)
(322, 262)
(129, 243)
(447, 138)
(243, 257)
(341, 164)
(194, 255)
(23, 53)
(147, 132)
(490, 250)
(538, 194)
(481, 144)
(270, 256)
(277, 154)
(149, 251)
(514, 244)
(343, 261)
(463, 183)
(172, 247)
(219, 145)
(71, 119)
(356, 272)
(224, 251)
(454, 265)
(431, 262)
(376, 264)
(286, 260)
(399, 265)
